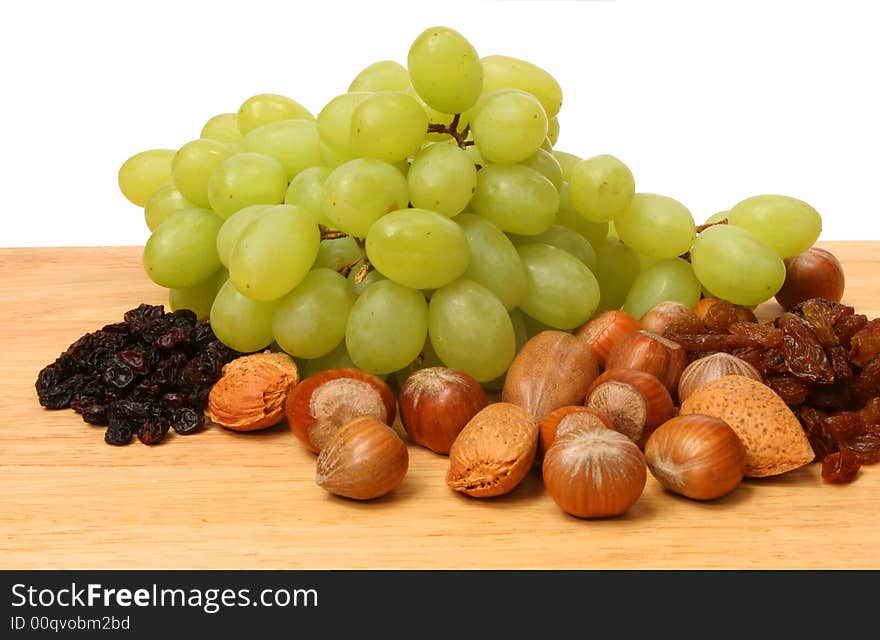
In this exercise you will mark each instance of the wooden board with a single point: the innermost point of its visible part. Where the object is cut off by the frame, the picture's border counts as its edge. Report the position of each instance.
(227, 500)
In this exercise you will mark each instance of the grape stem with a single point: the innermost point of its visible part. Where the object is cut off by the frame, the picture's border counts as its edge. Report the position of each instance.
(701, 228)
(451, 129)
(330, 234)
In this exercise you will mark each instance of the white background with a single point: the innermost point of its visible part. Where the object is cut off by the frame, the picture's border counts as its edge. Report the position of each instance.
(707, 102)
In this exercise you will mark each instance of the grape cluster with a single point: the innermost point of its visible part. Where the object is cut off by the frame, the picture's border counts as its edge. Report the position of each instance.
(426, 215)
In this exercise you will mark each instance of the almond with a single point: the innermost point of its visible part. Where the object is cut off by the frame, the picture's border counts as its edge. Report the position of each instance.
(554, 369)
(772, 436)
(252, 391)
(493, 452)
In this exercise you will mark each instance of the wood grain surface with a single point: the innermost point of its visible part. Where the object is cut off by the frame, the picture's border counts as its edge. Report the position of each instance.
(225, 500)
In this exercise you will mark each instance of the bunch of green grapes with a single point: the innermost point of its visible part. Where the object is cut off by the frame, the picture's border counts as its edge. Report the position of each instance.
(425, 216)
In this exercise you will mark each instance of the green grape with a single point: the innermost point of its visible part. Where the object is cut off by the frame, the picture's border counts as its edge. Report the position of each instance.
(601, 188)
(232, 229)
(617, 267)
(442, 178)
(199, 297)
(718, 217)
(503, 71)
(545, 164)
(387, 327)
(294, 143)
(193, 165)
(647, 261)
(568, 161)
(222, 127)
(357, 288)
(562, 238)
(494, 263)
(241, 323)
(553, 131)
(269, 107)
(445, 70)
(162, 203)
(503, 114)
(520, 330)
(360, 192)
(656, 226)
(788, 225)
(143, 173)
(547, 145)
(418, 248)
(389, 126)
(470, 330)
(385, 75)
(334, 127)
(567, 216)
(467, 117)
(515, 198)
(310, 320)
(245, 179)
(337, 253)
(182, 251)
(736, 266)
(306, 190)
(274, 252)
(336, 359)
(560, 290)
(666, 279)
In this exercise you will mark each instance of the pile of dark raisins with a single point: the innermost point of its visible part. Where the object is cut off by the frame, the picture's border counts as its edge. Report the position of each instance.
(143, 376)
(822, 359)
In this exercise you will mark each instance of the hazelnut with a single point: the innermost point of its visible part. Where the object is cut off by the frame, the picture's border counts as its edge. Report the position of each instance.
(561, 418)
(814, 273)
(362, 459)
(494, 452)
(435, 405)
(252, 391)
(594, 472)
(322, 403)
(669, 313)
(697, 456)
(710, 368)
(635, 402)
(552, 370)
(648, 352)
(603, 332)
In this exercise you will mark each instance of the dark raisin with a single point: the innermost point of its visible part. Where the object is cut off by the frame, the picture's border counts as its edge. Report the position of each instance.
(803, 353)
(95, 413)
(174, 399)
(844, 426)
(175, 338)
(184, 318)
(136, 359)
(170, 371)
(186, 421)
(848, 326)
(871, 412)
(198, 397)
(60, 395)
(118, 374)
(866, 446)
(720, 316)
(867, 382)
(203, 369)
(117, 435)
(820, 318)
(752, 355)
(765, 335)
(813, 421)
(840, 363)
(865, 345)
(831, 397)
(773, 361)
(152, 430)
(203, 334)
(792, 391)
(117, 327)
(840, 468)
